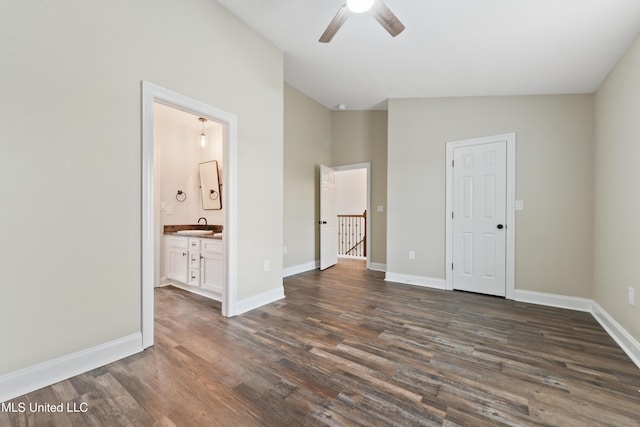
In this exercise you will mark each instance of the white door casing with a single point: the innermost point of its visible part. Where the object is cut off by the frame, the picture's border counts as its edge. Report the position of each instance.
(328, 218)
(150, 94)
(480, 229)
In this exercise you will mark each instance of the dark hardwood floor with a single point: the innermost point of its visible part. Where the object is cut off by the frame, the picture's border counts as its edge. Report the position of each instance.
(347, 348)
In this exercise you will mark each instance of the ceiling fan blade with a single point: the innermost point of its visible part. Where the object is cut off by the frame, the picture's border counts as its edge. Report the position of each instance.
(386, 18)
(335, 24)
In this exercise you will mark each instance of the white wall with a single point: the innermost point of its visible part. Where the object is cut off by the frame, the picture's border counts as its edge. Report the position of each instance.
(351, 192)
(617, 198)
(70, 165)
(180, 153)
(554, 177)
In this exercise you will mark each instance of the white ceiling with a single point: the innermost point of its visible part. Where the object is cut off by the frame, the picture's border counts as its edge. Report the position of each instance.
(449, 48)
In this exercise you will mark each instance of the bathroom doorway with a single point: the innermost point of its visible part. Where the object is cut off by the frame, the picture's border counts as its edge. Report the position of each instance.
(153, 95)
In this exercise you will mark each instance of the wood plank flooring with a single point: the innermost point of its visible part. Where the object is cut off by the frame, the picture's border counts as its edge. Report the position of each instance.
(347, 348)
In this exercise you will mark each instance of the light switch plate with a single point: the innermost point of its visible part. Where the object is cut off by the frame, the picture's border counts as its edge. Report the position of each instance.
(380, 208)
(519, 205)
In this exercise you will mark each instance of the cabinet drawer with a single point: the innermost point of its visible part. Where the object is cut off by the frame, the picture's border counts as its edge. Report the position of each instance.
(194, 244)
(178, 242)
(194, 259)
(212, 246)
(194, 277)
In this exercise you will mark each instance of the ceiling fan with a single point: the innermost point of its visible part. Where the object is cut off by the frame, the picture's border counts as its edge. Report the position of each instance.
(376, 8)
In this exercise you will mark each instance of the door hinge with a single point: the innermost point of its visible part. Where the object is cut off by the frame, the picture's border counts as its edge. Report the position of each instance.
(452, 266)
(451, 215)
(453, 163)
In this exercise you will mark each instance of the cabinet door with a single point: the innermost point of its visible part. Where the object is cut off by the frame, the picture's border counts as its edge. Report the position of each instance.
(177, 264)
(212, 273)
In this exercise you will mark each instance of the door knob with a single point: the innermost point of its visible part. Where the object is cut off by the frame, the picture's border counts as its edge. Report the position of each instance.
(500, 226)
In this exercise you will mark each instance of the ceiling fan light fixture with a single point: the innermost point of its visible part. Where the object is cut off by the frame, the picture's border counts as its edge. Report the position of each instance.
(359, 6)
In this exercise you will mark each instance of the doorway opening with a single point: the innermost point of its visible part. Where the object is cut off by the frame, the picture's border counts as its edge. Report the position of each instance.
(153, 95)
(353, 184)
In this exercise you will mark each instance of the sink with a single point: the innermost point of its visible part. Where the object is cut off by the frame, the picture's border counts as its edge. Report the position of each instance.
(194, 232)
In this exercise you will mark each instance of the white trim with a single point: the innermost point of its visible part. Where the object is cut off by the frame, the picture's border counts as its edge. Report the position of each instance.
(553, 300)
(408, 279)
(352, 257)
(195, 290)
(510, 139)
(259, 300)
(377, 266)
(150, 94)
(367, 166)
(44, 374)
(624, 339)
(300, 268)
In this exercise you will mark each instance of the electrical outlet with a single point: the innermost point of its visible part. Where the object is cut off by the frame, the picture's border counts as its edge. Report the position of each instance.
(632, 296)
(266, 266)
(412, 255)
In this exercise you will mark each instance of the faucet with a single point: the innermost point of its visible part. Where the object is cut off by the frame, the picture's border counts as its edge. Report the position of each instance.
(205, 220)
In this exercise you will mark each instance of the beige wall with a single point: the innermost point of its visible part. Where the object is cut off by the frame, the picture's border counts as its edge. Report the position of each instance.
(554, 179)
(361, 136)
(315, 135)
(617, 198)
(70, 166)
(307, 144)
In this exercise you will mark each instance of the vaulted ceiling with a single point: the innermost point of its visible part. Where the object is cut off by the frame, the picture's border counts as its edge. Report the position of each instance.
(449, 47)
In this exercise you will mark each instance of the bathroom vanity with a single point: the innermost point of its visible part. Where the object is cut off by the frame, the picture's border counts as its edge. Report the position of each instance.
(195, 263)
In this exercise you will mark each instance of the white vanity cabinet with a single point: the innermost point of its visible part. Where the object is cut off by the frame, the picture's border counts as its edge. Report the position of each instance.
(196, 262)
(177, 258)
(211, 268)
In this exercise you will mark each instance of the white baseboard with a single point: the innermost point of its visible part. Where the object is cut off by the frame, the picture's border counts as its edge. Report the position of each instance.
(352, 257)
(408, 279)
(301, 268)
(376, 266)
(553, 300)
(44, 374)
(216, 296)
(259, 300)
(624, 339)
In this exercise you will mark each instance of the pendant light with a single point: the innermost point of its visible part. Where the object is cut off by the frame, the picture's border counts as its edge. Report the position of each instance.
(203, 137)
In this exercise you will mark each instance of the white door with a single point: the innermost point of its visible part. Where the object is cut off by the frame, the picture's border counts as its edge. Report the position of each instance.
(479, 215)
(328, 218)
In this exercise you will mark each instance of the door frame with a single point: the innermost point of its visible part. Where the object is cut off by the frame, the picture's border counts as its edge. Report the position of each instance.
(510, 139)
(151, 94)
(367, 166)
